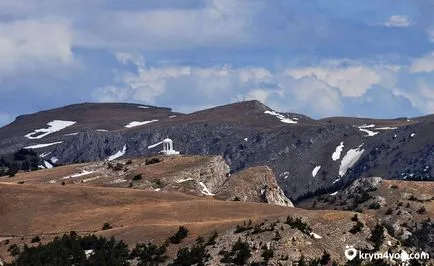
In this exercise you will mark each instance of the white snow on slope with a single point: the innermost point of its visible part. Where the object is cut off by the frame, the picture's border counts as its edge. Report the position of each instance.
(37, 146)
(205, 190)
(102, 130)
(352, 156)
(118, 154)
(337, 154)
(143, 107)
(84, 172)
(336, 180)
(246, 139)
(44, 154)
(54, 159)
(154, 145)
(172, 116)
(412, 135)
(315, 170)
(334, 193)
(72, 134)
(54, 126)
(386, 128)
(184, 180)
(47, 165)
(316, 236)
(91, 179)
(285, 175)
(137, 123)
(282, 118)
(370, 133)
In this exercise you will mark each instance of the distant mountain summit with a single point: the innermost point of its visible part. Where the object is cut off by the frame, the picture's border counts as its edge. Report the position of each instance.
(307, 156)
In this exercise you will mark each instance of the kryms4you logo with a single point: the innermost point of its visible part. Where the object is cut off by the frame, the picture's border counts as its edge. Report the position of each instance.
(351, 253)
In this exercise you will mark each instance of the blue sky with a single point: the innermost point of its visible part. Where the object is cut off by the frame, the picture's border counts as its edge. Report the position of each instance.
(321, 58)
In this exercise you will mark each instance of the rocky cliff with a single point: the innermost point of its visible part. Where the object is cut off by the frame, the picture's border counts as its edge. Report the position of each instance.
(308, 157)
(255, 184)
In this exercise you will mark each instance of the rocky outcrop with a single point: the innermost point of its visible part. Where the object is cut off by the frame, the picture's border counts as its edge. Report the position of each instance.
(255, 184)
(363, 185)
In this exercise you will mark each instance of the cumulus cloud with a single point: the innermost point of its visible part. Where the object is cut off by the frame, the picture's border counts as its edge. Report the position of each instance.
(351, 78)
(219, 84)
(32, 43)
(423, 64)
(216, 23)
(398, 21)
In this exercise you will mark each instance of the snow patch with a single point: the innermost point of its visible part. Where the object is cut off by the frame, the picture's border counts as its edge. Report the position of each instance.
(334, 193)
(352, 156)
(412, 135)
(143, 107)
(370, 133)
(336, 180)
(315, 170)
(282, 118)
(54, 159)
(154, 145)
(38, 146)
(386, 128)
(118, 154)
(205, 190)
(72, 134)
(337, 154)
(137, 123)
(53, 126)
(157, 189)
(90, 179)
(172, 116)
(84, 172)
(316, 236)
(102, 130)
(44, 154)
(184, 180)
(89, 252)
(48, 165)
(284, 175)
(246, 139)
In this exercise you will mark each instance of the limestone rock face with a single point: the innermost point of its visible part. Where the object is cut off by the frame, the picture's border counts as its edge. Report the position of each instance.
(255, 184)
(364, 184)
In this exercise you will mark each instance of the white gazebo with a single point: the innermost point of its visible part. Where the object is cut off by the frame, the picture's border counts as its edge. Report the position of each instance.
(168, 147)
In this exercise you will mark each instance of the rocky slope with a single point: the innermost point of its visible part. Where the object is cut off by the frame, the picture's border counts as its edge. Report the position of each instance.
(255, 184)
(307, 156)
(192, 175)
(406, 208)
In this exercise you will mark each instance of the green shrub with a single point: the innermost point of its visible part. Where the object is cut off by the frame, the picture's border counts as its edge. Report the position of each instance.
(137, 177)
(106, 226)
(179, 236)
(152, 160)
(36, 239)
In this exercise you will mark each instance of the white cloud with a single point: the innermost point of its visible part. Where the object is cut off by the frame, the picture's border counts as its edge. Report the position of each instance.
(126, 58)
(34, 44)
(397, 21)
(221, 23)
(353, 79)
(423, 64)
(431, 34)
